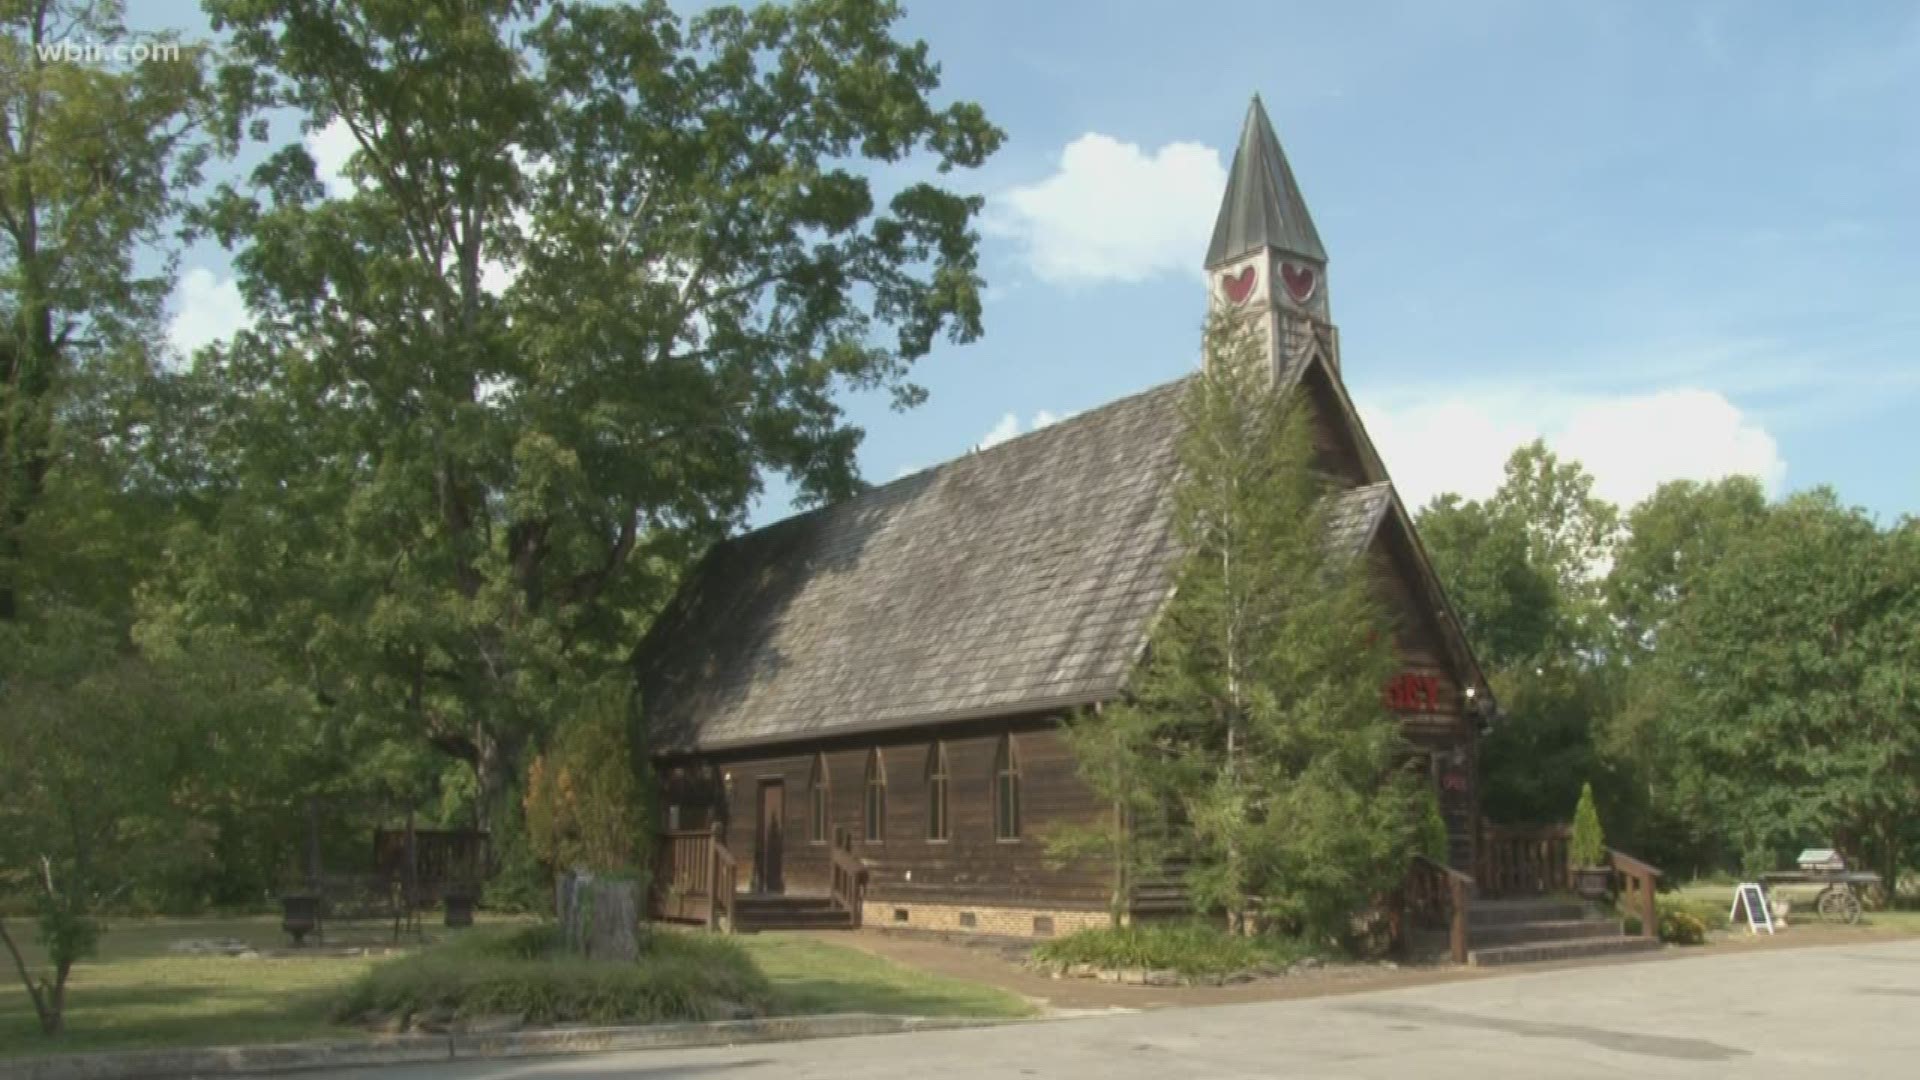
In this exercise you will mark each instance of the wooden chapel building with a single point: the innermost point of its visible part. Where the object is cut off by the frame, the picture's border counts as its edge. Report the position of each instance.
(879, 683)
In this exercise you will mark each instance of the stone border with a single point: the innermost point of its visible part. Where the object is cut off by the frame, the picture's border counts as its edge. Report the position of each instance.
(423, 1049)
(1166, 977)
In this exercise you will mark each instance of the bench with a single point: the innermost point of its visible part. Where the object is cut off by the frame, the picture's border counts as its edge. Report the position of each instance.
(346, 899)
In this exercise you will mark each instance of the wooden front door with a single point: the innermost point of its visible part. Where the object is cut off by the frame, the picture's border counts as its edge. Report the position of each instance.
(767, 875)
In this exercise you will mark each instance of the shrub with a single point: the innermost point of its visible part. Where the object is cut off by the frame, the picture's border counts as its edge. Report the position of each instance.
(1589, 845)
(1189, 948)
(1711, 913)
(1697, 910)
(492, 972)
(1681, 928)
(584, 802)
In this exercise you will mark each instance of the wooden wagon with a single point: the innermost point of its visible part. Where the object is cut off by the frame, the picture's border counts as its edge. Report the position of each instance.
(1840, 898)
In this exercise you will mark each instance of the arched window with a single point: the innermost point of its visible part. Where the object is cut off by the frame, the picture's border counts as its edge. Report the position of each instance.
(876, 797)
(937, 825)
(819, 792)
(1006, 791)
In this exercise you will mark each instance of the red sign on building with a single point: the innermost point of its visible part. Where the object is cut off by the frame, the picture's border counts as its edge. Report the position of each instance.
(1410, 692)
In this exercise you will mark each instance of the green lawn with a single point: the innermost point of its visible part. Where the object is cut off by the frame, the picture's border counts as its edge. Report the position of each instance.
(814, 976)
(137, 994)
(1717, 899)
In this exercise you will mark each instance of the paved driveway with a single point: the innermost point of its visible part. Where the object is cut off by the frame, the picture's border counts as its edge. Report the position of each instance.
(1850, 1011)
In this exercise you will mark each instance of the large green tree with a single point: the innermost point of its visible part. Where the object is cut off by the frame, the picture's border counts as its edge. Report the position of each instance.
(600, 269)
(1257, 715)
(1668, 543)
(1525, 568)
(1508, 606)
(1671, 541)
(1791, 672)
(108, 758)
(96, 158)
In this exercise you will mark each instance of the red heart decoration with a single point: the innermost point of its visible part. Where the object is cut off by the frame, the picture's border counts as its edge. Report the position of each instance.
(1299, 281)
(1238, 286)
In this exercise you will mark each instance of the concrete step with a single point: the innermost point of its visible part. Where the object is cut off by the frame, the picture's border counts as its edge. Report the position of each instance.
(1505, 912)
(767, 912)
(1560, 950)
(811, 920)
(763, 902)
(1528, 933)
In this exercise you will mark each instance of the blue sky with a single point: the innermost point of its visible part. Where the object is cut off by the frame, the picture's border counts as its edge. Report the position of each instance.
(1674, 239)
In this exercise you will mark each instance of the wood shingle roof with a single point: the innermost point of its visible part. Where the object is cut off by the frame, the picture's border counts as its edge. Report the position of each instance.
(1019, 578)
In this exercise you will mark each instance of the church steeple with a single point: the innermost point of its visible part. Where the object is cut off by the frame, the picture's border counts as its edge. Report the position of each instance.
(1263, 207)
(1265, 263)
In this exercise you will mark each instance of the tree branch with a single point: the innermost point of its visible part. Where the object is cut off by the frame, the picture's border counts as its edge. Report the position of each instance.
(587, 586)
(26, 978)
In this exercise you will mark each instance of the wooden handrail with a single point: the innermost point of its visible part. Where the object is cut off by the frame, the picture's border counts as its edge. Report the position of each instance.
(720, 913)
(847, 876)
(1437, 895)
(1638, 881)
(694, 878)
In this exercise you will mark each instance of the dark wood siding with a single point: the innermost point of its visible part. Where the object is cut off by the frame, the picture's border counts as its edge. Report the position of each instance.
(1442, 735)
(1336, 448)
(970, 866)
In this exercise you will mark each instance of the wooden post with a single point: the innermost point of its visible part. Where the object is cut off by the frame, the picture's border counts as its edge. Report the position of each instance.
(1642, 880)
(1457, 926)
(410, 881)
(313, 845)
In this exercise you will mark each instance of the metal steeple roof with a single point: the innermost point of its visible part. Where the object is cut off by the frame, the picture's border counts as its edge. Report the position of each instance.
(1262, 207)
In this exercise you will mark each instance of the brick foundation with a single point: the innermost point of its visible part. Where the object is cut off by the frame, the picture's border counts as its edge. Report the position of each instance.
(984, 919)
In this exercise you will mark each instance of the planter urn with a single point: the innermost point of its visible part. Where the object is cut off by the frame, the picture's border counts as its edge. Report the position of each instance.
(459, 910)
(299, 916)
(1592, 882)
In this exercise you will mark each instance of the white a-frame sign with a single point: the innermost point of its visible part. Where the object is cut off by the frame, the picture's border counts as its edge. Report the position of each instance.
(1750, 900)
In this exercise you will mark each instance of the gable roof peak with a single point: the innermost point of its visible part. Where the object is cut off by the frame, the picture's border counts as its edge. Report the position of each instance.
(1263, 206)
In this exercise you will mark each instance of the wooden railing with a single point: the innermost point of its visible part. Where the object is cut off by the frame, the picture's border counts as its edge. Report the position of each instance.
(847, 876)
(1435, 898)
(693, 879)
(1635, 884)
(1528, 861)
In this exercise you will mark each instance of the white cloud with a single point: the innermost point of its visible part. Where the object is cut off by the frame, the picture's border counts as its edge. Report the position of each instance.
(1630, 442)
(206, 308)
(1113, 212)
(331, 147)
(1009, 426)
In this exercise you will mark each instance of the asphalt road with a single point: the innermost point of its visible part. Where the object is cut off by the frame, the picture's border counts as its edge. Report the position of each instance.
(1851, 1010)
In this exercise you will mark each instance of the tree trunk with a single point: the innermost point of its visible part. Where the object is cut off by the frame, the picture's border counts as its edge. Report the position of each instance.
(45, 1007)
(54, 1021)
(600, 918)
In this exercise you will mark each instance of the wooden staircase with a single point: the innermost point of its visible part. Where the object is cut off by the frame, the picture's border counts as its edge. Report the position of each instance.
(696, 881)
(1520, 909)
(1527, 930)
(769, 911)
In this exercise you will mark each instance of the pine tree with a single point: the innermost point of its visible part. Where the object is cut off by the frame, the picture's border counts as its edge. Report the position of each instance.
(1257, 717)
(1589, 845)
